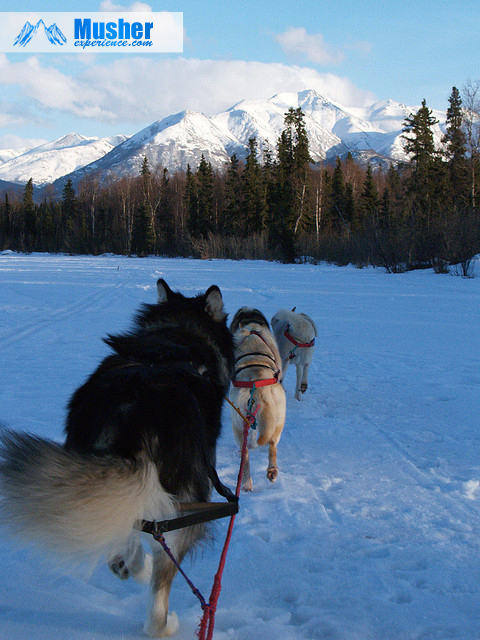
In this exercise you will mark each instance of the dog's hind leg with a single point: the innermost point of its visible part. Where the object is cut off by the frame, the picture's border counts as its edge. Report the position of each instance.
(302, 379)
(160, 623)
(272, 471)
(247, 482)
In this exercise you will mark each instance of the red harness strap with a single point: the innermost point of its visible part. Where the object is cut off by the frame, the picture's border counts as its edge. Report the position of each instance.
(304, 345)
(249, 384)
(259, 335)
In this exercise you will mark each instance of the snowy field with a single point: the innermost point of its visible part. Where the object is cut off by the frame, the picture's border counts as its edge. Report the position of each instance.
(372, 531)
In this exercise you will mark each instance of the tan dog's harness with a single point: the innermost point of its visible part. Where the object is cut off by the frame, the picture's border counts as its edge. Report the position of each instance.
(253, 384)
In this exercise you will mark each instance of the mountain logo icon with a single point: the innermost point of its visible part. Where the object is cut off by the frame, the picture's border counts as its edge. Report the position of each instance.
(29, 31)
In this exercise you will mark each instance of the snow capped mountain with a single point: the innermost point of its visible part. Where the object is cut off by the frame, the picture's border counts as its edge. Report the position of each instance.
(370, 133)
(332, 128)
(8, 154)
(174, 142)
(265, 122)
(46, 163)
(386, 115)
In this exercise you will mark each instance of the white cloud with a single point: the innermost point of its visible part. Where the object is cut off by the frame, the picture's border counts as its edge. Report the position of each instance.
(12, 115)
(296, 41)
(108, 5)
(53, 90)
(12, 141)
(133, 92)
(146, 88)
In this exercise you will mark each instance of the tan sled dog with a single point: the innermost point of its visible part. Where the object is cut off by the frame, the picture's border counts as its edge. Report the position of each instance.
(257, 362)
(295, 334)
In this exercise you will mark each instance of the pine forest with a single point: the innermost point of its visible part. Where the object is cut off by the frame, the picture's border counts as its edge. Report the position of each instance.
(421, 213)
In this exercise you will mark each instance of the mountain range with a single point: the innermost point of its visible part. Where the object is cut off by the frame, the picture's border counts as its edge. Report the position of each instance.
(372, 134)
(50, 161)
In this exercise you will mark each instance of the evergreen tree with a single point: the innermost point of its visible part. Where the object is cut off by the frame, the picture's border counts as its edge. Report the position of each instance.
(385, 209)
(454, 137)
(69, 207)
(145, 170)
(294, 169)
(5, 223)
(370, 199)
(200, 200)
(206, 214)
(253, 193)
(419, 144)
(418, 136)
(233, 197)
(391, 199)
(143, 235)
(455, 152)
(69, 202)
(165, 214)
(29, 216)
(147, 210)
(270, 190)
(351, 215)
(46, 229)
(191, 203)
(337, 194)
(292, 184)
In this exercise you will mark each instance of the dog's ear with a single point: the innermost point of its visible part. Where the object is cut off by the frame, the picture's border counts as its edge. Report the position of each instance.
(214, 303)
(235, 325)
(163, 291)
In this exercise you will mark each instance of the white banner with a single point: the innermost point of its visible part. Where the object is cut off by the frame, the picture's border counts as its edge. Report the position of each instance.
(99, 32)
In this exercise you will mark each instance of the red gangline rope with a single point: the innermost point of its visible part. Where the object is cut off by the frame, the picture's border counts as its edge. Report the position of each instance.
(207, 623)
(205, 631)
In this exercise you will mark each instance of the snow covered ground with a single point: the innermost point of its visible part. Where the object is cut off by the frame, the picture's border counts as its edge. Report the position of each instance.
(372, 531)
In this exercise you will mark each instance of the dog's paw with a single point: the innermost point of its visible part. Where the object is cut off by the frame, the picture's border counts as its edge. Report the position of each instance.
(119, 568)
(173, 625)
(247, 485)
(272, 473)
(155, 630)
(303, 387)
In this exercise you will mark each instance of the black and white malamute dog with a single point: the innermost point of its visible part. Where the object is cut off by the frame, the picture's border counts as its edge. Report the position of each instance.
(141, 436)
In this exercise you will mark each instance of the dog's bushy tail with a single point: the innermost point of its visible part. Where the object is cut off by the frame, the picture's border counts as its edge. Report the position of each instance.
(74, 504)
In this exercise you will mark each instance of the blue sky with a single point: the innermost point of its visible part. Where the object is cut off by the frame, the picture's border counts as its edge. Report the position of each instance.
(354, 52)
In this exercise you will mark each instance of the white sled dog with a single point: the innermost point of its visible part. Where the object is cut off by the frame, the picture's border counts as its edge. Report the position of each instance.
(141, 435)
(295, 334)
(257, 361)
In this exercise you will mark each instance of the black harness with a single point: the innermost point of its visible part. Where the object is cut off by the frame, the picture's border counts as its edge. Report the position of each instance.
(197, 512)
(255, 365)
